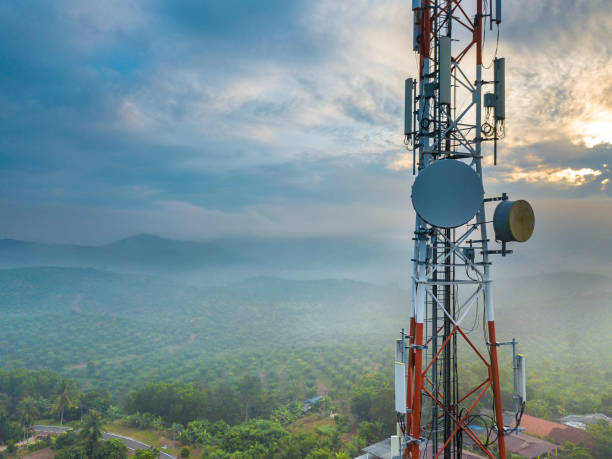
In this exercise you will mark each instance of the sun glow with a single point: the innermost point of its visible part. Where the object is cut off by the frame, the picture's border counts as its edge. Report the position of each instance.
(594, 131)
(567, 176)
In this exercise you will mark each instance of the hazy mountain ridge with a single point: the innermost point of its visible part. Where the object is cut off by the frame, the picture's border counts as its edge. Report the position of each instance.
(217, 261)
(137, 251)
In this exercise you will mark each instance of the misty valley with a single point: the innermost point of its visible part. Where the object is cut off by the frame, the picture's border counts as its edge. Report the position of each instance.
(228, 370)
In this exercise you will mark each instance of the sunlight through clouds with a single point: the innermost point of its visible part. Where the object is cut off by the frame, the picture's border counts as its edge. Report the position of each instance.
(594, 129)
(567, 176)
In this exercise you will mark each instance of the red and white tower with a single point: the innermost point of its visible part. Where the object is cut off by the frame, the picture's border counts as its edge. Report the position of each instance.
(451, 276)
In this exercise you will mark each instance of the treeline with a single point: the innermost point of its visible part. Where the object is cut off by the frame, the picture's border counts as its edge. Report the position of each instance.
(17, 384)
(221, 420)
(26, 396)
(184, 402)
(237, 420)
(263, 439)
(45, 388)
(23, 395)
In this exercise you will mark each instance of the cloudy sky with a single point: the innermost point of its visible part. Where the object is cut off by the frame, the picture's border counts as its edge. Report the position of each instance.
(197, 119)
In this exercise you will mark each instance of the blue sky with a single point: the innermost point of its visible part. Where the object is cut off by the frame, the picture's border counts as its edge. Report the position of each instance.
(200, 119)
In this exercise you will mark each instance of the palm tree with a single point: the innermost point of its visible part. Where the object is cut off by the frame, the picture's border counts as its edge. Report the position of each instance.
(92, 432)
(28, 412)
(64, 399)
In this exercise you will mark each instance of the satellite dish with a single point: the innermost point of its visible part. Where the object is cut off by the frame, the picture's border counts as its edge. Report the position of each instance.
(447, 193)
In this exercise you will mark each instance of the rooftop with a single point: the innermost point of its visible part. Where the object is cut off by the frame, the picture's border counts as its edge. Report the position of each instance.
(582, 420)
(528, 447)
(553, 431)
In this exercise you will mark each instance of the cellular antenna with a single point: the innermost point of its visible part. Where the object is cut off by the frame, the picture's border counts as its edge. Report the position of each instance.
(451, 275)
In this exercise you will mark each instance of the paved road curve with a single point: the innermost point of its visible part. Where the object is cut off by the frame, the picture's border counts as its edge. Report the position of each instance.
(129, 442)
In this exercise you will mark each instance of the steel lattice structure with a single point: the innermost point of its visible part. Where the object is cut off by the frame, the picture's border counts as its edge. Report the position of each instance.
(451, 266)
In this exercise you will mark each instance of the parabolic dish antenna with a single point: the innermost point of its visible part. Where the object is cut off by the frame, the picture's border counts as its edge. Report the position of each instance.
(447, 193)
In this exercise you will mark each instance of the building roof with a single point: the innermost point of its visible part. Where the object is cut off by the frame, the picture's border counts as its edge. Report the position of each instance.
(382, 449)
(527, 446)
(553, 431)
(584, 418)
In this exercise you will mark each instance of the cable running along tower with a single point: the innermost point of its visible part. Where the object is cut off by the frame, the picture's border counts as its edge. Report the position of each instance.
(451, 277)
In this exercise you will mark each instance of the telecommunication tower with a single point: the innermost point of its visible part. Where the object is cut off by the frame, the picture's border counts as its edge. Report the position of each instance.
(451, 275)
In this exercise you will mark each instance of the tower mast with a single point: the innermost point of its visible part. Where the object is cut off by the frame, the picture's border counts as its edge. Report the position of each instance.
(451, 275)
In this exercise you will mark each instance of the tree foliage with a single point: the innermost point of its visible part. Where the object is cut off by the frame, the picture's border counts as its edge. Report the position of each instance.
(372, 400)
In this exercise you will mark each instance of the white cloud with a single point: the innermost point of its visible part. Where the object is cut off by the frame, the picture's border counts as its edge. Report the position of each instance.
(96, 23)
(567, 176)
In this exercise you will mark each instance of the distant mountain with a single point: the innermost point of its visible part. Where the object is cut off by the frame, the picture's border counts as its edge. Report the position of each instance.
(137, 251)
(149, 250)
(221, 259)
(24, 253)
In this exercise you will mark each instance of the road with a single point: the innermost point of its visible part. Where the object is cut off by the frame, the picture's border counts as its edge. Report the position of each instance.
(129, 442)
(50, 429)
